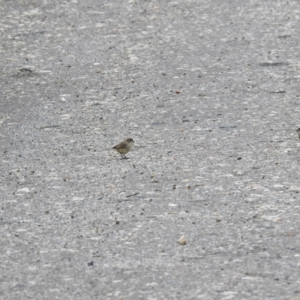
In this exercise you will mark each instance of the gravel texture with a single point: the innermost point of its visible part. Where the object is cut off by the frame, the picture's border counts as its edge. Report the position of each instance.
(209, 91)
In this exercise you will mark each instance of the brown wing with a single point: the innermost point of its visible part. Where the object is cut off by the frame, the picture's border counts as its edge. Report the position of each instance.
(119, 146)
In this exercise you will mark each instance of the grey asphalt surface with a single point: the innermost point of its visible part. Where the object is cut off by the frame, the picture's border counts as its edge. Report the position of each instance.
(209, 91)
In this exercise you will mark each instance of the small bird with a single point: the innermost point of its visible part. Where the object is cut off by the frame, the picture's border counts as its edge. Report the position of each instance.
(124, 147)
(298, 130)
